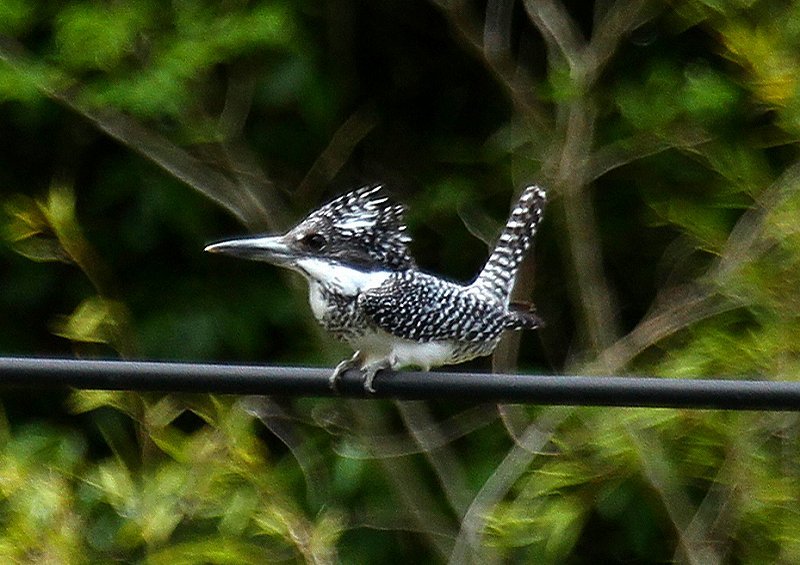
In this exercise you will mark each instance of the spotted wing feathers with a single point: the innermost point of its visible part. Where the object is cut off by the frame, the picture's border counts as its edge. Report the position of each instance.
(420, 307)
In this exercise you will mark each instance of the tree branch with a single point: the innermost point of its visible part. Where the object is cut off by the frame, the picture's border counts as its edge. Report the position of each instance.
(241, 202)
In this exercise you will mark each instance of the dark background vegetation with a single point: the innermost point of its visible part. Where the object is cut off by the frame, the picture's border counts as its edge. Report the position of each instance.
(133, 133)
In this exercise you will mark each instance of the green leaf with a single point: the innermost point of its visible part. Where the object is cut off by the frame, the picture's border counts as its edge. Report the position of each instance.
(95, 320)
(709, 95)
(325, 534)
(25, 218)
(41, 250)
(87, 400)
(29, 231)
(89, 36)
(654, 105)
(16, 16)
(221, 550)
(116, 483)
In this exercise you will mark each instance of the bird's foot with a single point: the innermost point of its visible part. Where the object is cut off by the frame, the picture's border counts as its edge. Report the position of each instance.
(369, 374)
(353, 363)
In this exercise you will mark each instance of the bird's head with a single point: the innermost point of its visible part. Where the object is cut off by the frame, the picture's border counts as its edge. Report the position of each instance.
(360, 230)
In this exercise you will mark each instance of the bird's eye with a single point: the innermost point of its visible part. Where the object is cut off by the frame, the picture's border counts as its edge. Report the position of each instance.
(314, 241)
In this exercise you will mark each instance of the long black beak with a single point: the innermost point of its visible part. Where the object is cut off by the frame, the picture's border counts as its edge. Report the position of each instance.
(271, 249)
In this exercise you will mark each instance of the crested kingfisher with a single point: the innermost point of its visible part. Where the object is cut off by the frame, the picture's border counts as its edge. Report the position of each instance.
(365, 289)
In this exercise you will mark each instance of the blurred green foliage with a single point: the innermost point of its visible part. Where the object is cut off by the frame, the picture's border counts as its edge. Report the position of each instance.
(132, 133)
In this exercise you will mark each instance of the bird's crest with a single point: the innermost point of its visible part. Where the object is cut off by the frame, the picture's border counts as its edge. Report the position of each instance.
(362, 227)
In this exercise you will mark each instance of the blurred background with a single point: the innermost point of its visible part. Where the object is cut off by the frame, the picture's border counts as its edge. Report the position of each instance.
(134, 133)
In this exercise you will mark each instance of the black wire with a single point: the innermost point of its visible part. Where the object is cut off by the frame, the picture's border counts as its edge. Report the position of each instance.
(19, 372)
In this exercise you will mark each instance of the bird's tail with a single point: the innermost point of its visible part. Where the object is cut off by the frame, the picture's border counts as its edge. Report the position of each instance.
(498, 275)
(523, 316)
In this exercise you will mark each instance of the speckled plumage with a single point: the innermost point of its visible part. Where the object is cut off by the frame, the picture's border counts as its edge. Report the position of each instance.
(365, 289)
(365, 230)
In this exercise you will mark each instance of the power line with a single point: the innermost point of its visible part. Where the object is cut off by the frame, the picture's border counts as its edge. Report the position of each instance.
(48, 373)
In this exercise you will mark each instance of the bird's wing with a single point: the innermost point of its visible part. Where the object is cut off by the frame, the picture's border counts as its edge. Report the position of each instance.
(421, 307)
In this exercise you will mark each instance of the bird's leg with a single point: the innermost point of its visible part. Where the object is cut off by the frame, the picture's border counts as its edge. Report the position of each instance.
(371, 370)
(353, 363)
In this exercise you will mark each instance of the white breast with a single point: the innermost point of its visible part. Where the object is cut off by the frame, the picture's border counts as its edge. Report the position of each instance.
(345, 280)
(422, 355)
(339, 279)
(379, 345)
(316, 299)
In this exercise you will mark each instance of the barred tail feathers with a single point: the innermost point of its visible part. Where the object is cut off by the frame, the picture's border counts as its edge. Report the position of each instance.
(498, 275)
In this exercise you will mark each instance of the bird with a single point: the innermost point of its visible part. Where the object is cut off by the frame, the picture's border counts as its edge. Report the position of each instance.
(366, 289)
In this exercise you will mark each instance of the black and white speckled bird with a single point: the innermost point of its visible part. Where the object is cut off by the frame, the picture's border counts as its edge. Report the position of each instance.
(365, 289)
